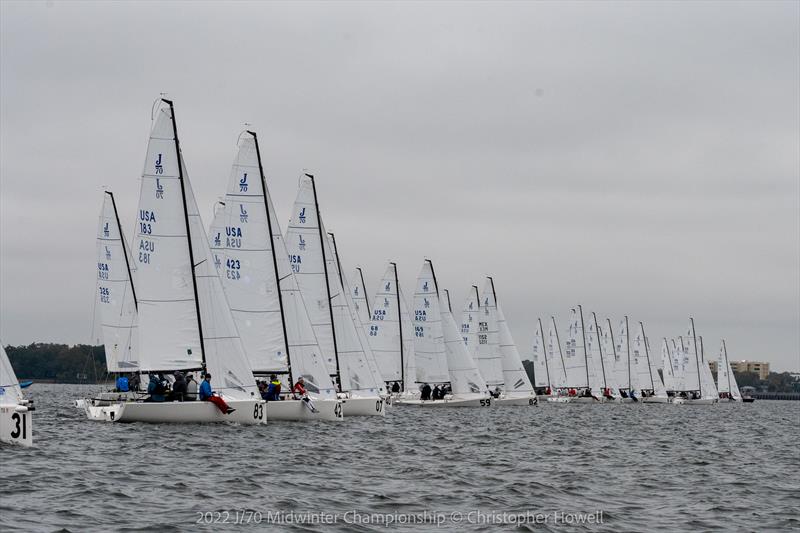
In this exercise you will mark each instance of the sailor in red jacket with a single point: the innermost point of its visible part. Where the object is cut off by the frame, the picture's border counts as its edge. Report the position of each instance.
(299, 389)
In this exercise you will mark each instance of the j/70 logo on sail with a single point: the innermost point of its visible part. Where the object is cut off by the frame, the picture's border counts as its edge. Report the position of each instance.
(243, 183)
(159, 189)
(105, 230)
(302, 216)
(302, 243)
(159, 166)
(242, 213)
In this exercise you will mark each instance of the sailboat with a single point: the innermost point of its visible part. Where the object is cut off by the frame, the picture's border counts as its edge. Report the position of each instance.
(390, 335)
(667, 370)
(726, 380)
(487, 351)
(695, 388)
(441, 354)
(329, 306)
(252, 262)
(600, 375)
(116, 302)
(16, 422)
(185, 322)
(584, 379)
(360, 325)
(360, 298)
(517, 388)
(541, 367)
(653, 391)
(556, 365)
(623, 363)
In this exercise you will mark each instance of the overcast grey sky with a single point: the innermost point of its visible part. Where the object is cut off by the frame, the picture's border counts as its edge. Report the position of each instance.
(635, 157)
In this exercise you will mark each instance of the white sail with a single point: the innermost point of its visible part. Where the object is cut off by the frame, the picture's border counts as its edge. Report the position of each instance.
(349, 325)
(10, 391)
(465, 379)
(242, 248)
(610, 358)
(555, 357)
(242, 236)
(622, 360)
(170, 289)
(598, 379)
(515, 378)
(639, 363)
(488, 354)
(541, 367)
(429, 350)
(667, 371)
(691, 367)
(304, 248)
(385, 328)
(409, 355)
(680, 361)
(575, 352)
(115, 292)
(726, 380)
(470, 317)
(359, 295)
(654, 382)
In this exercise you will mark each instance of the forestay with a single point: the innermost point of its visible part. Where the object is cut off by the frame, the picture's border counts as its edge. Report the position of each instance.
(116, 299)
(429, 350)
(488, 354)
(248, 246)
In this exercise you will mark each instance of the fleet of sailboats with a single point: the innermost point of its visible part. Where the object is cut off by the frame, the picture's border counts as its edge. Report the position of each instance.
(285, 335)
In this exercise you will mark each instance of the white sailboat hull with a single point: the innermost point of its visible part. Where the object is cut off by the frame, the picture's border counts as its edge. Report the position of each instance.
(449, 402)
(586, 399)
(559, 399)
(656, 399)
(701, 401)
(16, 425)
(516, 400)
(248, 412)
(363, 406)
(296, 410)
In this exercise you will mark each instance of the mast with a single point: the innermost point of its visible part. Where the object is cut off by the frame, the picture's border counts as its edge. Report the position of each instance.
(647, 352)
(449, 305)
(628, 350)
(125, 249)
(274, 257)
(546, 367)
(336, 254)
(585, 357)
(363, 286)
(433, 273)
(560, 352)
(696, 358)
(399, 325)
(188, 231)
(327, 281)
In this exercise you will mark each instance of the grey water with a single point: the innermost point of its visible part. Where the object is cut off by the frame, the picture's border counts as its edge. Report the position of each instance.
(727, 467)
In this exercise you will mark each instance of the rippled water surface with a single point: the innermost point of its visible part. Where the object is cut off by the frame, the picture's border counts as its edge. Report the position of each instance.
(670, 468)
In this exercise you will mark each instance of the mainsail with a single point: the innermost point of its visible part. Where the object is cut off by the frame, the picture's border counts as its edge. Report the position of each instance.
(470, 317)
(555, 357)
(185, 322)
(251, 259)
(726, 380)
(598, 380)
(429, 350)
(575, 367)
(488, 354)
(541, 368)
(622, 361)
(116, 296)
(667, 370)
